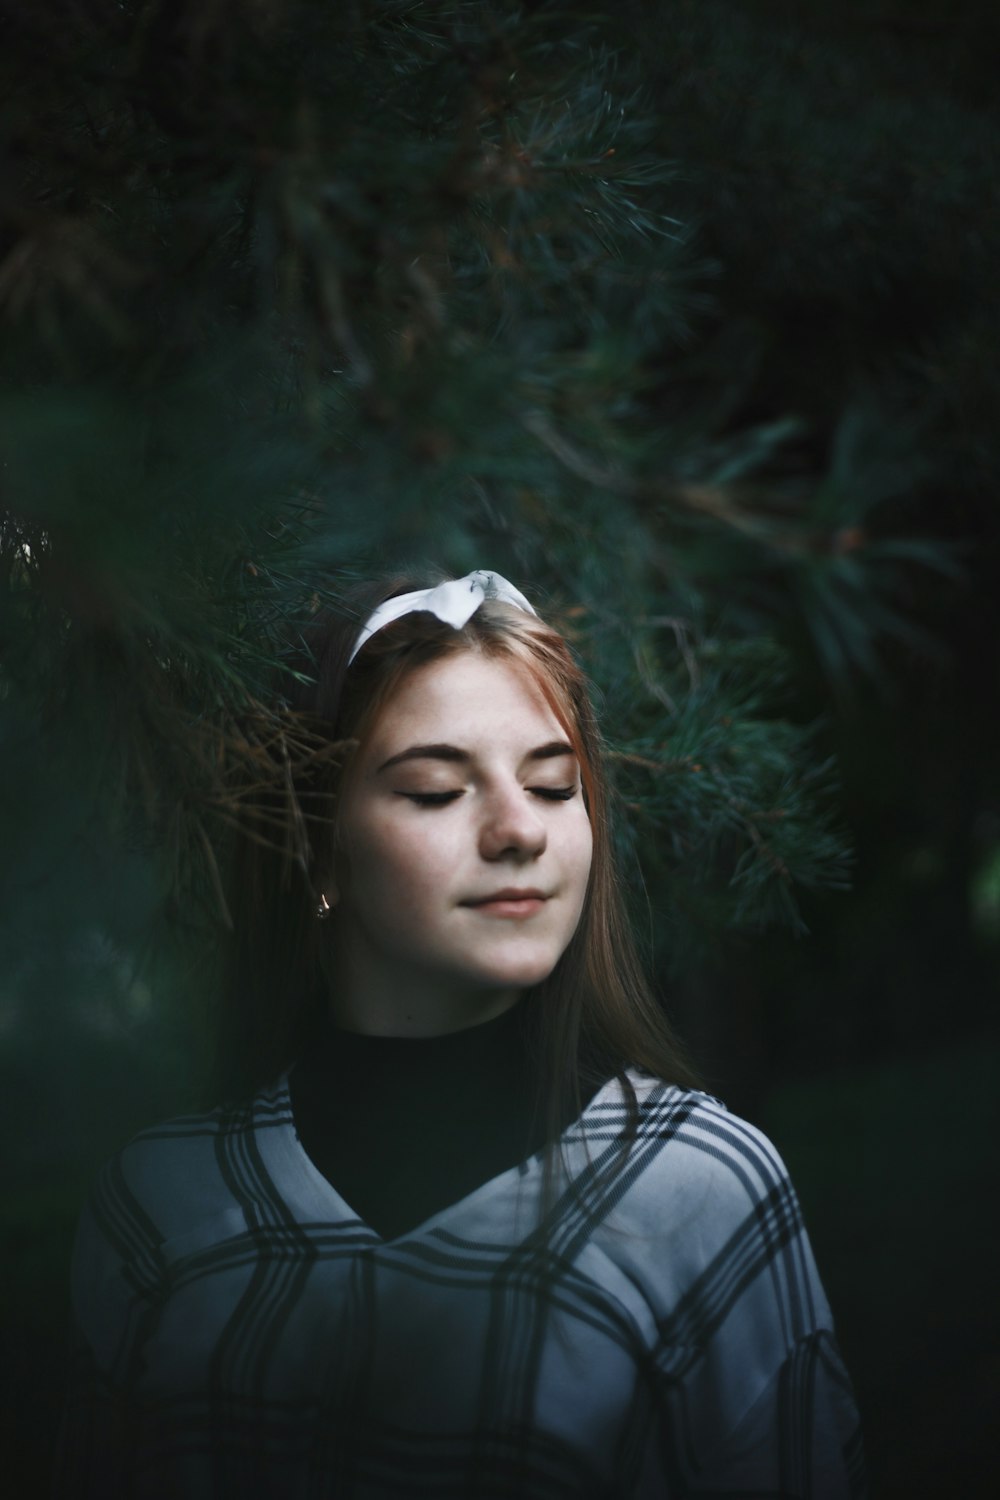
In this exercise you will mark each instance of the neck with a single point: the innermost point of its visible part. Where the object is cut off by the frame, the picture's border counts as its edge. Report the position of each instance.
(365, 1003)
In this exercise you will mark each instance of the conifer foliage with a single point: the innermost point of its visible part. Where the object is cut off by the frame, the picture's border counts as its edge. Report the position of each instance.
(291, 290)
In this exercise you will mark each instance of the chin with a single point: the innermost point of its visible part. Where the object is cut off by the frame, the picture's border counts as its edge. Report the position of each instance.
(520, 976)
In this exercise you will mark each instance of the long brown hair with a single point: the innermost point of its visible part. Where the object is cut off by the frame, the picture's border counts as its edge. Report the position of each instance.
(594, 1016)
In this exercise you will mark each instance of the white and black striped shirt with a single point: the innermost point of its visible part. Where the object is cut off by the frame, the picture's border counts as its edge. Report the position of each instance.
(659, 1331)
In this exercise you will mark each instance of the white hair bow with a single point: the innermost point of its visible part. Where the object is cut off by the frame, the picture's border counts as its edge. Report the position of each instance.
(454, 602)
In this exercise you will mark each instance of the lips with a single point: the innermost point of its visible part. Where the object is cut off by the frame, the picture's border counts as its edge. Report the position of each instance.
(510, 902)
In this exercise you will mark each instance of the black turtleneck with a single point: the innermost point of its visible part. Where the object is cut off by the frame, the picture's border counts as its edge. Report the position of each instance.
(402, 1126)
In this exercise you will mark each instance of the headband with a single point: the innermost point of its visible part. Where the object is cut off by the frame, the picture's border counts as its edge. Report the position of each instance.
(454, 602)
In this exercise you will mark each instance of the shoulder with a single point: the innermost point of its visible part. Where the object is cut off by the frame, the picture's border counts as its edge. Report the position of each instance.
(172, 1177)
(716, 1144)
(171, 1197)
(705, 1213)
(167, 1166)
(690, 1141)
(708, 1252)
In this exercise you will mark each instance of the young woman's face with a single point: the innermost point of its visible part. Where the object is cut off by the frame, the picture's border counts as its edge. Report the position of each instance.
(463, 852)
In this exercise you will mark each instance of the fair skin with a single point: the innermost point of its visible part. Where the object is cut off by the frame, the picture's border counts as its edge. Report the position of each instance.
(463, 853)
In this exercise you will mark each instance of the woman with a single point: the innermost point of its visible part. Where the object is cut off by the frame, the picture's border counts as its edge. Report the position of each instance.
(465, 1227)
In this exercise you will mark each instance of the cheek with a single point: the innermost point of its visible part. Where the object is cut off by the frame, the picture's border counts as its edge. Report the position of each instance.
(378, 860)
(584, 852)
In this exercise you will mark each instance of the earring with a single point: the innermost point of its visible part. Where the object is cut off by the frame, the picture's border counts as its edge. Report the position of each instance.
(324, 908)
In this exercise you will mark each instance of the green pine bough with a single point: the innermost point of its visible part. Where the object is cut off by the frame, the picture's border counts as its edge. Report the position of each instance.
(299, 291)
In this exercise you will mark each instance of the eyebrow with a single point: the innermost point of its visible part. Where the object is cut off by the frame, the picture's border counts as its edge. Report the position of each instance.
(452, 753)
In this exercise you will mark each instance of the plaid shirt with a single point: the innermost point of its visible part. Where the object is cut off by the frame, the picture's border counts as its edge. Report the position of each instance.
(657, 1330)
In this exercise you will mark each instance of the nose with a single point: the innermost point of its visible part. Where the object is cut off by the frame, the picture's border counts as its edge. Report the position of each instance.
(511, 827)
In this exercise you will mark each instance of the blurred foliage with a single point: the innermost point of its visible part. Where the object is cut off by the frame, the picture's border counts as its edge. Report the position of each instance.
(290, 290)
(681, 315)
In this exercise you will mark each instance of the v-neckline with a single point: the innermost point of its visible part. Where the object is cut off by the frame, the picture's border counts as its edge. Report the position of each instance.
(318, 1185)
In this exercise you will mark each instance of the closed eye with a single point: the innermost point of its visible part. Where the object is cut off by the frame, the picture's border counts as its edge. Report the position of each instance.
(430, 799)
(441, 799)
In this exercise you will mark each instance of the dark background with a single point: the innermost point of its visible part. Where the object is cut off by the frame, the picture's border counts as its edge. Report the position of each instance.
(838, 167)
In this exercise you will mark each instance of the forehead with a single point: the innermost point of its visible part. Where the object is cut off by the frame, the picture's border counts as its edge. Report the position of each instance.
(463, 698)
